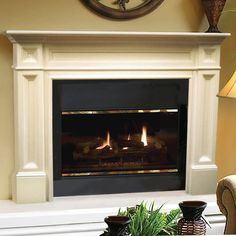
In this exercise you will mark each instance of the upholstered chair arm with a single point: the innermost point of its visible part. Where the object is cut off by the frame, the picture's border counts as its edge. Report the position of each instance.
(226, 200)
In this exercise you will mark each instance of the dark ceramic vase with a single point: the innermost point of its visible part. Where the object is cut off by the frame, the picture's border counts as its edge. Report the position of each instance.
(213, 9)
(192, 210)
(117, 225)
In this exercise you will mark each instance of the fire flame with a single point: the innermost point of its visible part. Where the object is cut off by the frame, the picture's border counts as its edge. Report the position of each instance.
(126, 148)
(144, 136)
(106, 143)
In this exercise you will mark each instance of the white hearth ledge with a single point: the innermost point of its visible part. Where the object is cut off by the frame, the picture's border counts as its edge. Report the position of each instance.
(84, 215)
(40, 57)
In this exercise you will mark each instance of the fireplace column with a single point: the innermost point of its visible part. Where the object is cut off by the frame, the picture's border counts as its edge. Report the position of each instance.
(201, 174)
(30, 178)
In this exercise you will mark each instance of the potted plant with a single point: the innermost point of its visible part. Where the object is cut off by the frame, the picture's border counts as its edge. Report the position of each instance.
(147, 221)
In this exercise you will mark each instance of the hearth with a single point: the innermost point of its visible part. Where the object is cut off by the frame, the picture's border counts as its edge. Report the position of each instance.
(119, 135)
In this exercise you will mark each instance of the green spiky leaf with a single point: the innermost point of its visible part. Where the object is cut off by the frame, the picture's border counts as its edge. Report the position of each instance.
(148, 221)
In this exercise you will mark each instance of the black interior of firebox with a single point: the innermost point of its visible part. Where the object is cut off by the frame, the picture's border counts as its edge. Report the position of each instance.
(99, 126)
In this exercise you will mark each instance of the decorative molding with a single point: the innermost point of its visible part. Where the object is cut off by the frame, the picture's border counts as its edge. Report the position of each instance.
(30, 187)
(29, 120)
(116, 57)
(200, 174)
(29, 56)
(209, 55)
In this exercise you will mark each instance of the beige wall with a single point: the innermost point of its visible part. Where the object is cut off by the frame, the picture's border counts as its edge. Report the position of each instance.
(6, 117)
(226, 139)
(172, 15)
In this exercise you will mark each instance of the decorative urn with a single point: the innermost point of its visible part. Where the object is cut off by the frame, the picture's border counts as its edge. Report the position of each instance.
(213, 9)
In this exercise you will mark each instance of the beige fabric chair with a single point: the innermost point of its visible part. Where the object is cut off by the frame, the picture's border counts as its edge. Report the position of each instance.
(226, 200)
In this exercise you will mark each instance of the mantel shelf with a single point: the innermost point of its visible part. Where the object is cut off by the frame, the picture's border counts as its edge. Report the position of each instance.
(38, 36)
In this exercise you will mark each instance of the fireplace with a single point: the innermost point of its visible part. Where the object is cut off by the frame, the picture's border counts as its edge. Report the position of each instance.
(129, 131)
(44, 60)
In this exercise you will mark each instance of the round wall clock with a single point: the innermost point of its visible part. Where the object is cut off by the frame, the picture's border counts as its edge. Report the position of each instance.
(122, 9)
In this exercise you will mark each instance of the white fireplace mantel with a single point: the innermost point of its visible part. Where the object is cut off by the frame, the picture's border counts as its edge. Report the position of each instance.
(43, 56)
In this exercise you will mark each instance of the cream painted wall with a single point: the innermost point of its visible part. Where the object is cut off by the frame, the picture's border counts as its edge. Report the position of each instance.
(6, 117)
(172, 15)
(226, 139)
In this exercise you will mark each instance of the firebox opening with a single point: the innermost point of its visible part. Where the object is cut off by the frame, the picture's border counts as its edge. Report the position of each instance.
(116, 136)
(119, 142)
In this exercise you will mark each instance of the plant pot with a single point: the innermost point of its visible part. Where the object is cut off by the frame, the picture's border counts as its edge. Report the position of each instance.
(213, 9)
(117, 225)
(192, 210)
(192, 222)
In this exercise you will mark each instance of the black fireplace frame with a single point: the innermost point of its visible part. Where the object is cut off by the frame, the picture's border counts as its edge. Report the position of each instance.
(119, 94)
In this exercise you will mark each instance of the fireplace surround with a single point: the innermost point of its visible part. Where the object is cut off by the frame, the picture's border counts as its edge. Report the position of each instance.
(42, 57)
(114, 136)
